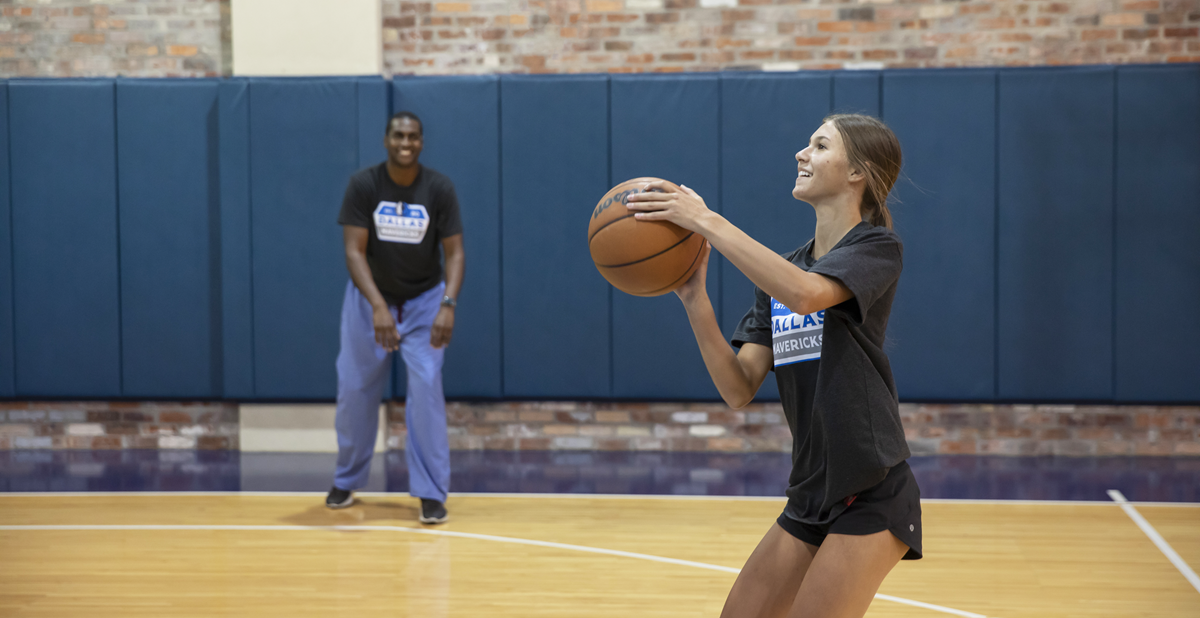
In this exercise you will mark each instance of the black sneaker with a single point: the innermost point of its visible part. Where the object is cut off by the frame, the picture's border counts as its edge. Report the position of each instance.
(339, 498)
(432, 512)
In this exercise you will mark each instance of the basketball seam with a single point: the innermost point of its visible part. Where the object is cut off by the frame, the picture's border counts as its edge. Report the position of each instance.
(648, 257)
(606, 225)
(689, 268)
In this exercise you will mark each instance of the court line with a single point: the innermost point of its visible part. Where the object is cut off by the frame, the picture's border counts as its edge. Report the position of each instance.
(402, 494)
(1156, 538)
(449, 533)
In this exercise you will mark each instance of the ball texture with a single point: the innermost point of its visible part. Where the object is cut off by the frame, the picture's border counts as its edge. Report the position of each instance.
(642, 258)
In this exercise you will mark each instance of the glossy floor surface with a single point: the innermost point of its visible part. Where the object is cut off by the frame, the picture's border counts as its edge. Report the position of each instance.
(531, 534)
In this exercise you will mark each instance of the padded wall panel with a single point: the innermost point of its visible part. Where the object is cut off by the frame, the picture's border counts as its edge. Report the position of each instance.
(856, 92)
(461, 118)
(941, 337)
(766, 120)
(667, 127)
(299, 270)
(374, 108)
(237, 307)
(64, 214)
(169, 187)
(554, 158)
(1157, 345)
(1055, 234)
(7, 369)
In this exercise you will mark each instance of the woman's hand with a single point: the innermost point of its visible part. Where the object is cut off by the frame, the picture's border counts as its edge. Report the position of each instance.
(659, 201)
(696, 286)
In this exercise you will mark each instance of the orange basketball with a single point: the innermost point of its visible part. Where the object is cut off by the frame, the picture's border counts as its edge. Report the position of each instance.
(643, 258)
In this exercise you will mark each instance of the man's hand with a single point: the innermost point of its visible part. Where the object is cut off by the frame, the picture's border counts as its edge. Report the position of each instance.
(443, 328)
(386, 334)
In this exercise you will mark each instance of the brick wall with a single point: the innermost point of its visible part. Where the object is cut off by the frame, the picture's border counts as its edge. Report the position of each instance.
(134, 38)
(624, 36)
(567, 426)
(930, 429)
(118, 425)
(191, 38)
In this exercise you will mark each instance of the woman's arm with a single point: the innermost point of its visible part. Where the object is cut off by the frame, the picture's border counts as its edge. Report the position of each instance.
(736, 376)
(800, 291)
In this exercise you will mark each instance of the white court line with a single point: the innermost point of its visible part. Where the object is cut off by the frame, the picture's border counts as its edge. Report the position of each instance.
(1160, 542)
(403, 494)
(462, 535)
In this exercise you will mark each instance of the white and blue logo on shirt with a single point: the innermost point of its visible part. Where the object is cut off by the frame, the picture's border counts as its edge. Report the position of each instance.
(401, 222)
(795, 338)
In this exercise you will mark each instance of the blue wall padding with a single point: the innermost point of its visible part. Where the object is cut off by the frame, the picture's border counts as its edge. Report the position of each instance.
(7, 368)
(461, 117)
(666, 127)
(374, 108)
(237, 324)
(64, 212)
(1055, 234)
(1048, 214)
(766, 120)
(301, 157)
(1157, 345)
(554, 162)
(857, 92)
(169, 232)
(941, 335)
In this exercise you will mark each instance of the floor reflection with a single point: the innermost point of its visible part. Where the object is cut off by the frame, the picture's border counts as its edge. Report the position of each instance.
(1165, 479)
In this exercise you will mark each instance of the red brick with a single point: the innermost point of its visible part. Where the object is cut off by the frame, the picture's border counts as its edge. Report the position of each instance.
(1093, 35)
(920, 53)
(951, 447)
(879, 54)
(1139, 34)
(996, 23)
(1141, 5)
(1181, 32)
(872, 26)
(212, 443)
(173, 417)
(975, 9)
(836, 26)
(818, 40)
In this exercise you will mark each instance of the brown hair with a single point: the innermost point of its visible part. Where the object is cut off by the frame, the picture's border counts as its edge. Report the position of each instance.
(872, 148)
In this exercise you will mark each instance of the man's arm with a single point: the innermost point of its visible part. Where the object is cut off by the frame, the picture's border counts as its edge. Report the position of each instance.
(443, 324)
(355, 239)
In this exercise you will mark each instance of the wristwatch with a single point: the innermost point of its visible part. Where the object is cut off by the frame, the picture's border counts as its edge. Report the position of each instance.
(449, 302)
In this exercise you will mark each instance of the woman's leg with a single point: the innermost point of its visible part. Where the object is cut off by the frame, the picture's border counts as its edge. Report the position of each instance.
(768, 582)
(845, 575)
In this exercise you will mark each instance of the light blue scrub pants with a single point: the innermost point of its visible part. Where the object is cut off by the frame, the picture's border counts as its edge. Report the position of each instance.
(362, 367)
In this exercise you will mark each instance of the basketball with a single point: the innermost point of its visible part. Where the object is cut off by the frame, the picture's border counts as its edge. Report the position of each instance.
(642, 258)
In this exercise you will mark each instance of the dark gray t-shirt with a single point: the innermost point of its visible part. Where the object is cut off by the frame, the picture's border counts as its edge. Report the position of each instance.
(406, 226)
(834, 379)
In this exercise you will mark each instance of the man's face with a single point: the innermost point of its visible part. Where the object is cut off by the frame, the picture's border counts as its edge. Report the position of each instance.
(403, 142)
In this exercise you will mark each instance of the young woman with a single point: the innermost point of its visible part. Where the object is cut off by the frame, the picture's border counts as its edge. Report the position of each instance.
(818, 320)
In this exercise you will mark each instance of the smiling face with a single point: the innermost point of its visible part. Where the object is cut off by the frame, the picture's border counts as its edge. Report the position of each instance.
(823, 168)
(403, 142)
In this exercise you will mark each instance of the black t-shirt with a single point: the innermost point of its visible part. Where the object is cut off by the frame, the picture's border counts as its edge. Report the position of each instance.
(406, 226)
(835, 382)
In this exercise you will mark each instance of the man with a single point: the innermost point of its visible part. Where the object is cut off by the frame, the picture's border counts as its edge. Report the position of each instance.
(394, 217)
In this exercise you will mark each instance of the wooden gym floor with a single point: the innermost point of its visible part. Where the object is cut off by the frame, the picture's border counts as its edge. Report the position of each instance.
(501, 555)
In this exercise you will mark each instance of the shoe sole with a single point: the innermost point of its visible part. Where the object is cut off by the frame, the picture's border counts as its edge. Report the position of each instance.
(433, 520)
(341, 505)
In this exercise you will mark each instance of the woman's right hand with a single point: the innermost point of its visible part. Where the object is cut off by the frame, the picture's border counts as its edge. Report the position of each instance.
(385, 329)
(696, 286)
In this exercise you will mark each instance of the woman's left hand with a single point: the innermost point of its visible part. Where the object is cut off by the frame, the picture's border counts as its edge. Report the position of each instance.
(659, 201)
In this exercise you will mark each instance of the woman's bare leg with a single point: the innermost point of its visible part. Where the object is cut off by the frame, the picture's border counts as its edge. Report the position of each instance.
(768, 582)
(845, 575)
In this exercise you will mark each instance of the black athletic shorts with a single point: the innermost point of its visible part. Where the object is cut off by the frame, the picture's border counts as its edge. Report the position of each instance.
(894, 505)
